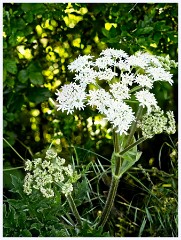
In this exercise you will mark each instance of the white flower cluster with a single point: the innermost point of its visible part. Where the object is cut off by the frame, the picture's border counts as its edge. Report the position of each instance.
(140, 70)
(157, 122)
(43, 174)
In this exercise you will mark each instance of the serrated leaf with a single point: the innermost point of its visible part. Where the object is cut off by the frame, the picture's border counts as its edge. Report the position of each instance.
(17, 183)
(22, 219)
(17, 204)
(81, 191)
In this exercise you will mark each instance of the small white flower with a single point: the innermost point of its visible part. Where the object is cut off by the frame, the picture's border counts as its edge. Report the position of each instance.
(171, 126)
(86, 76)
(45, 164)
(104, 62)
(136, 61)
(58, 177)
(144, 81)
(146, 99)
(159, 74)
(60, 161)
(157, 122)
(46, 173)
(47, 192)
(28, 180)
(51, 154)
(67, 188)
(37, 171)
(114, 53)
(80, 63)
(106, 74)
(28, 165)
(148, 58)
(47, 179)
(71, 96)
(120, 115)
(69, 170)
(123, 65)
(127, 78)
(51, 168)
(37, 162)
(119, 91)
(99, 98)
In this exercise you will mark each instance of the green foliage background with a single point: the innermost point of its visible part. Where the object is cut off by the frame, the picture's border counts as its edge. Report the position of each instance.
(41, 39)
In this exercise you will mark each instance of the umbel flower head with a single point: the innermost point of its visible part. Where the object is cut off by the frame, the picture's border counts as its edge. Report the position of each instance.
(43, 174)
(157, 122)
(128, 78)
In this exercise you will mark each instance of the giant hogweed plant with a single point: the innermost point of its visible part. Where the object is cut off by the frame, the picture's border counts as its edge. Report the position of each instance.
(128, 82)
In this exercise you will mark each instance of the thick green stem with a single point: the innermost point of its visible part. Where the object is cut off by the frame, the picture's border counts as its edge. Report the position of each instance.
(133, 126)
(114, 182)
(116, 175)
(74, 209)
(110, 201)
(117, 149)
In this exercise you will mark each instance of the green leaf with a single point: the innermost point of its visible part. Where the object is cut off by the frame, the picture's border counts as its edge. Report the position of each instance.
(9, 221)
(28, 17)
(18, 24)
(144, 30)
(142, 227)
(10, 117)
(81, 191)
(38, 94)
(36, 226)
(17, 183)
(36, 78)
(114, 40)
(11, 66)
(26, 233)
(13, 40)
(23, 76)
(89, 231)
(34, 67)
(113, 32)
(157, 36)
(26, 7)
(129, 160)
(105, 32)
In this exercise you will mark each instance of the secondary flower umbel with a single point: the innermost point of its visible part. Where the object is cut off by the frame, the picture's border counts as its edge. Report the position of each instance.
(128, 78)
(45, 174)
